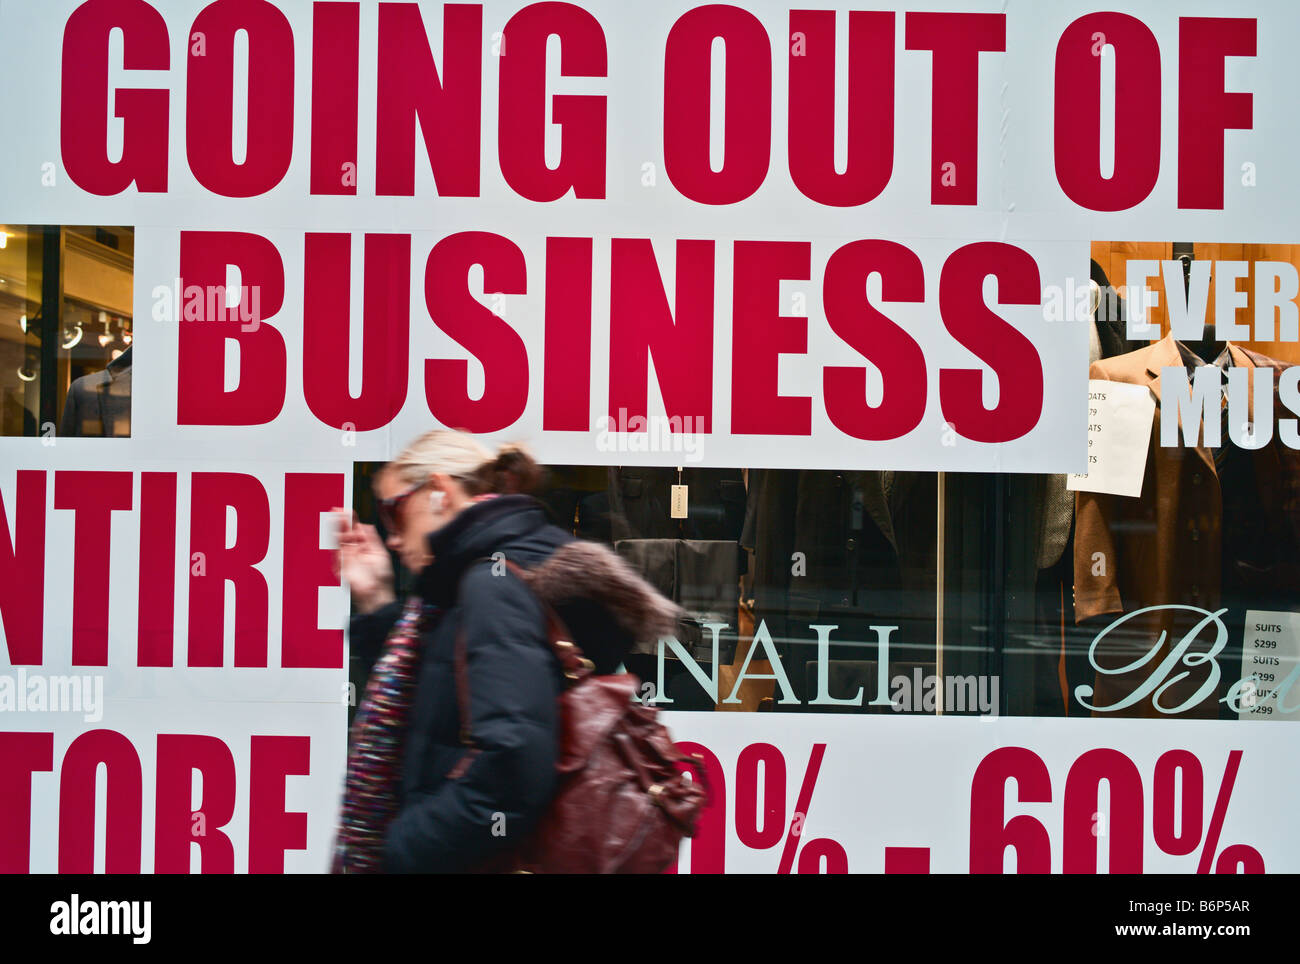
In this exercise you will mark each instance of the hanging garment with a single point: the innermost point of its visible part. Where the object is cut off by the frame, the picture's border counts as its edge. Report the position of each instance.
(640, 503)
(99, 404)
(1204, 532)
(824, 553)
(701, 576)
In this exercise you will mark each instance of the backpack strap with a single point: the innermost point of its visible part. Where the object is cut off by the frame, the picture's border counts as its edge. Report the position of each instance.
(576, 666)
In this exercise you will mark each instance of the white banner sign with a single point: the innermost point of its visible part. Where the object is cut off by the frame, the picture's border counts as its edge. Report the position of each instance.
(835, 247)
(839, 794)
(626, 234)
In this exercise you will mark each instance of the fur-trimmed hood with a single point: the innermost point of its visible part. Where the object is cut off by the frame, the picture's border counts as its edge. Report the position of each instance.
(608, 608)
(589, 570)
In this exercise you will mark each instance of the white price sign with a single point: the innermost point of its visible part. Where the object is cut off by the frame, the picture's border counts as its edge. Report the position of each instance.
(1270, 657)
(1119, 434)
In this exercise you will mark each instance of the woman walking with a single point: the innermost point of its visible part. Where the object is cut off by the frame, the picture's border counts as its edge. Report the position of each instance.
(422, 795)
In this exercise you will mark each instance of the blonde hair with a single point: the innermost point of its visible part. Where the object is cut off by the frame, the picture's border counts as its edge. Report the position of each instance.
(464, 458)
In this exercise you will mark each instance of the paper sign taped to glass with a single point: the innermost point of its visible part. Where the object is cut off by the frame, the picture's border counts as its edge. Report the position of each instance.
(1270, 660)
(1119, 433)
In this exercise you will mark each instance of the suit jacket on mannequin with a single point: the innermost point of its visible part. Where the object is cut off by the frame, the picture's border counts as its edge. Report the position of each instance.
(1288, 458)
(1166, 548)
(99, 404)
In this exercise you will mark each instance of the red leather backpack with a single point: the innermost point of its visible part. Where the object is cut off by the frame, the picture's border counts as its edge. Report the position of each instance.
(622, 802)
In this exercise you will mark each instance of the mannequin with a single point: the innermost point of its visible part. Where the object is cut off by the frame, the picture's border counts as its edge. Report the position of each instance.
(1209, 347)
(99, 404)
(1213, 530)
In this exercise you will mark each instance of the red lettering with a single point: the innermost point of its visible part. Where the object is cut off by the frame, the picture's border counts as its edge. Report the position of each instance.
(205, 324)
(307, 567)
(522, 117)
(122, 816)
(92, 496)
(991, 833)
(771, 792)
(447, 108)
(1178, 804)
(1009, 353)
(474, 327)
(956, 40)
(271, 829)
(1124, 830)
(873, 335)
(747, 112)
(22, 569)
(212, 564)
(709, 845)
(1205, 109)
(84, 98)
(176, 827)
(386, 328)
(1078, 112)
(761, 334)
(566, 393)
(210, 98)
(335, 60)
(21, 755)
(812, 106)
(642, 326)
(157, 606)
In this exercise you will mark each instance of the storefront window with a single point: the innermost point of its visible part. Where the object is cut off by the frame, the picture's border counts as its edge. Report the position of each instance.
(988, 594)
(66, 330)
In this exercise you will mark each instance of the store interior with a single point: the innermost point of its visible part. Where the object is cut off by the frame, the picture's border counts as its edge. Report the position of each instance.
(66, 329)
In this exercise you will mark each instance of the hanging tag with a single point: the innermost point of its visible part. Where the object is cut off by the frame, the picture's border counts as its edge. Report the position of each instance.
(679, 502)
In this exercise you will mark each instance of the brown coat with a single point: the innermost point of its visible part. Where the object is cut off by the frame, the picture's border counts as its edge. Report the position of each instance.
(1164, 548)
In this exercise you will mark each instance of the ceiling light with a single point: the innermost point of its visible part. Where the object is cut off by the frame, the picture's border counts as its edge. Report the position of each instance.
(25, 377)
(22, 323)
(72, 342)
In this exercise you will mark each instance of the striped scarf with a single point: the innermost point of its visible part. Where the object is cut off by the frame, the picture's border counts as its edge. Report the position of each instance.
(378, 732)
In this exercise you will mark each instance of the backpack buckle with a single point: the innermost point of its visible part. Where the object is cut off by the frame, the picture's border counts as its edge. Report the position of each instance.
(583, 662)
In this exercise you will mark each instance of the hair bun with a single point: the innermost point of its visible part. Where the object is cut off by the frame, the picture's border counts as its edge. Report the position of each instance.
(514, 470)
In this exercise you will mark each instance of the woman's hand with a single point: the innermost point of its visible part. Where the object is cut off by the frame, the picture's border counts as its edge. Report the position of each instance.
(364, 562)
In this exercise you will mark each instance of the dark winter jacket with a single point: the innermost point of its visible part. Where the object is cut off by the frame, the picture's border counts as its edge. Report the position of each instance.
(454, 823)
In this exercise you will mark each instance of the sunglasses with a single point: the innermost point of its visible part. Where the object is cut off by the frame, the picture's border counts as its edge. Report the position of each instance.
(390, 508)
